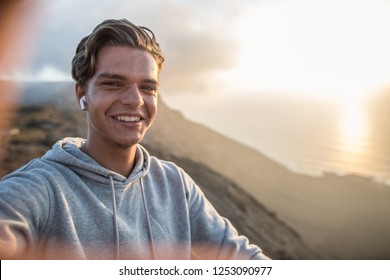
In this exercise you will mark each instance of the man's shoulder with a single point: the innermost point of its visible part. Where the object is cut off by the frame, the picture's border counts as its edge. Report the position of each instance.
(169, 171)
(37, 169)
(157, 164)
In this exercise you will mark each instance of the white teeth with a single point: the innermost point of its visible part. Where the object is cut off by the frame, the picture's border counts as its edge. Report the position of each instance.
(128, 118)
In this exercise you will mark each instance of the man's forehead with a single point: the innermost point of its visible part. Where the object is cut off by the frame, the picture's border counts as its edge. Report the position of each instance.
(116, 54)
(124, 61)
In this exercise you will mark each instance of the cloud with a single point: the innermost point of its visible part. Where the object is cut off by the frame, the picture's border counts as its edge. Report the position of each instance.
(196, 47)
(196, 36)
(46, 74)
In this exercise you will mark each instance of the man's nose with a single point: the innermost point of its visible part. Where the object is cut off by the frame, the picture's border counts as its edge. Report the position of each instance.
(132, 96)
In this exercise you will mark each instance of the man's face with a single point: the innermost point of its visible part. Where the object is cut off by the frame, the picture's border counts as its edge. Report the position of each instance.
(121, 97)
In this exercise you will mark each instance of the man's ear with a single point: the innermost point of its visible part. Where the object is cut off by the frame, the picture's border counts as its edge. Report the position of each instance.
(80, 95)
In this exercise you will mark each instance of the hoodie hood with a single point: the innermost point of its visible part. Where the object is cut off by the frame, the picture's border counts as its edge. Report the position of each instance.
(67, 152)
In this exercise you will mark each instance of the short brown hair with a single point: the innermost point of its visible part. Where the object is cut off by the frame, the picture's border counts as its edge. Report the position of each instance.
(112, 33)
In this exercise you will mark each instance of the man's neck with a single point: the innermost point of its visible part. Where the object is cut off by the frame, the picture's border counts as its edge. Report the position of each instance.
(118, 159)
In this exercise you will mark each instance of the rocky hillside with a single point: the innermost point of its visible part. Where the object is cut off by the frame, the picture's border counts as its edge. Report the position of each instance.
(37, 127)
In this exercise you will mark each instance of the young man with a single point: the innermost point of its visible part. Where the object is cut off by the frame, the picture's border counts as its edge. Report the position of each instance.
(105, 197)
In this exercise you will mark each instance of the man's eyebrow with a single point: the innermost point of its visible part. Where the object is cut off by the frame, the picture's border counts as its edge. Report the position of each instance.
(105, 75)
(151, 81)
(110, 76)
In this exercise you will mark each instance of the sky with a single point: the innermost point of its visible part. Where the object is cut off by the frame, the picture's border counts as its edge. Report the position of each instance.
(320, 50)
(321, 47)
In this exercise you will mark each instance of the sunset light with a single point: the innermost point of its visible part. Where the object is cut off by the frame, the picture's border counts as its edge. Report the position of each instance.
(353, 126)
(329, 48)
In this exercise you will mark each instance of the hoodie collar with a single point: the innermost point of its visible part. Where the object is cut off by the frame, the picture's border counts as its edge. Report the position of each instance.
(67, 152)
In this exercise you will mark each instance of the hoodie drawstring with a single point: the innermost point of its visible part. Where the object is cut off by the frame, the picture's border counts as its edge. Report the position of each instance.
(116, 231)
(148, 220)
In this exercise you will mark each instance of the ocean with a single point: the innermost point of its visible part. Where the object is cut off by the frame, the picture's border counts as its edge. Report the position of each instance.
(307, 134)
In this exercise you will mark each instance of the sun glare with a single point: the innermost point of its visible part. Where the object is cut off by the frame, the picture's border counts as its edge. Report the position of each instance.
(316, 47)
(353, 126)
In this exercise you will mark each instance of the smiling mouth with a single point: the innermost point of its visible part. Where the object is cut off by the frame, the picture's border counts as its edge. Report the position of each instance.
(127, 118)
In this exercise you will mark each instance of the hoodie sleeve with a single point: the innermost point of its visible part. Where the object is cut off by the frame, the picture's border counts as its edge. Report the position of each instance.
(213, 236)
(24, 204)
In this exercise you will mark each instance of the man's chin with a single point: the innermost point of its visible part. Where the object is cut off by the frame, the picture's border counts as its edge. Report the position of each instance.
(126, 144)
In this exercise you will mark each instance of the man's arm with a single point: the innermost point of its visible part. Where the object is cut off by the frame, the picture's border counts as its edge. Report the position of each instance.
(23, 200)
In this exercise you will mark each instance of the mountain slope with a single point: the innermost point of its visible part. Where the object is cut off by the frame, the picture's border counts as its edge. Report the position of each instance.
(343, 217)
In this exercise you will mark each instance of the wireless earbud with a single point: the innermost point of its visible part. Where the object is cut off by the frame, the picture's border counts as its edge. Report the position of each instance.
(82, 103)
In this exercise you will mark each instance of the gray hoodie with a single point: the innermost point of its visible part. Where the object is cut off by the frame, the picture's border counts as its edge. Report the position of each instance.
(67, 206)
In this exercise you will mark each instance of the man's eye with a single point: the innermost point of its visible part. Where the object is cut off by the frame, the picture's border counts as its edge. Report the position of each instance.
(149, 89)
(112, 84)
